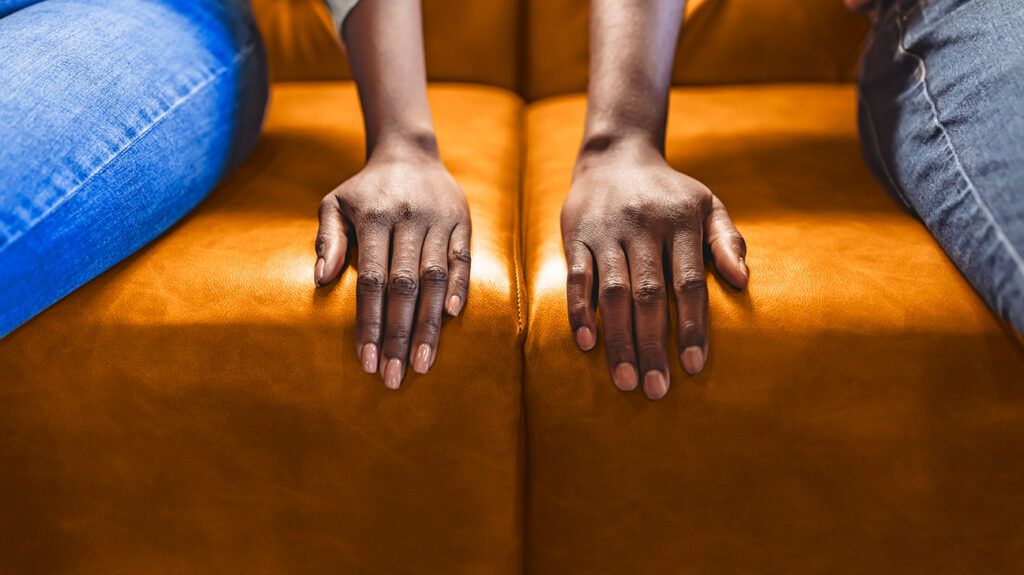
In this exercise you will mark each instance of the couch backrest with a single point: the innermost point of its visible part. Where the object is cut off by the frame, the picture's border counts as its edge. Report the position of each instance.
(723, 42)
(466, 41)
(539, 47)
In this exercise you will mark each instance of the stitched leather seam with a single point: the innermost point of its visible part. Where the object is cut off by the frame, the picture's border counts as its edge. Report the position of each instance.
(517, 241)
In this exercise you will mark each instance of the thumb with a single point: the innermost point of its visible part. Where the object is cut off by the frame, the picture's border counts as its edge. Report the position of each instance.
(331, 242)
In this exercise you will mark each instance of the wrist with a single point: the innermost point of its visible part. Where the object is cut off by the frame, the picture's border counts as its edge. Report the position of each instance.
(407, 145)
(604, 147)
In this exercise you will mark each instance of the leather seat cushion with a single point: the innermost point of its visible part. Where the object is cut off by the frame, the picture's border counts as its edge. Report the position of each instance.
(860, 409)
(200, 406)
(722, 42)
(464, 41)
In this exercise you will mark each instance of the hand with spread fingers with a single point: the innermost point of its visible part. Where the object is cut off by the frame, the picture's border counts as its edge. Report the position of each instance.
(404, 210)
(628, 219)
(634, 229)
(411, 208)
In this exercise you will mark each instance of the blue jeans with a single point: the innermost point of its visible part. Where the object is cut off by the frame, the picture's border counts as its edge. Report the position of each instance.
(117, 117)
(942, 127)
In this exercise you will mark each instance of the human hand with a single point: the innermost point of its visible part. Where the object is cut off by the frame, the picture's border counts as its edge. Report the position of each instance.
(412, 207)
(627, 210)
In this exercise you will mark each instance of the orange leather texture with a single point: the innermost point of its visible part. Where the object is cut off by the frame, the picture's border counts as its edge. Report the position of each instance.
(860, 410)
(722, 42)
(199, 407)
(466, 41)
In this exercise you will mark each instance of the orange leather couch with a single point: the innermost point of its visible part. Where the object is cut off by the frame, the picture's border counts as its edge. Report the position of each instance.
(198, 409)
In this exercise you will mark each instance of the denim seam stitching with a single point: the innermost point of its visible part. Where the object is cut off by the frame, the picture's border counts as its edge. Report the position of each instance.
(880, 156)
(985, 209)
(217, 74)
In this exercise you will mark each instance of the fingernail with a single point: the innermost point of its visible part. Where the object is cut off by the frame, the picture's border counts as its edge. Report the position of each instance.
(585, 338)
(693, 359)
(393, 373)
(624, 377)
(655, 385)
(421, 363)
(370, 358)
(743, 268)
(454, 305)
(318, 271)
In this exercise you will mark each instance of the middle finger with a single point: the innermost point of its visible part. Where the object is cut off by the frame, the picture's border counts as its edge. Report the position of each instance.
(403, 289)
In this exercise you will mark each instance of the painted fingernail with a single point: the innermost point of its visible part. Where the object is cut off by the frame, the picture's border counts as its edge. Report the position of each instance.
(370, 358)
(421, 362)
(655, 384)
(624, 377)
(693, 359)
(318, 272)
(393, 373)
(743, 268)
(585, 338)
(454, 305)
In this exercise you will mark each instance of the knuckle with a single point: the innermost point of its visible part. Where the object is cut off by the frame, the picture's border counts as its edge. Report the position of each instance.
(430, 326)
(398, 335)
(690, 327)
(434, 275)
(404, 210)
(738, 243)
(649, 293)
(687, 208)
(651, 348)
(614, 290)
(578, 308)
(636, 210)
(690, 284)
(370, 281)
(692, 332)
(375, 215)
(328, 204)
(577, 279)
(461, 255)
(368, 325)
(459, 283)
(619, 342)
(403, 284)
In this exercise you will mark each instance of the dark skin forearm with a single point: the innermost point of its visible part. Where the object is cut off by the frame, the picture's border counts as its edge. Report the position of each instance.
(628, 211)
(407, 214)
(631, 52)
(384, 42)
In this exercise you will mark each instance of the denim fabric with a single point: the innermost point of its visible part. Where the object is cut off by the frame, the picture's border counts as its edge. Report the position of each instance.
(942, 122)
(117, 117)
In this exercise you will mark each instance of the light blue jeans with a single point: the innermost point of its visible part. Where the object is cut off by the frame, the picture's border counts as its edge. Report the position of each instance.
(117, 117)
(942, 126)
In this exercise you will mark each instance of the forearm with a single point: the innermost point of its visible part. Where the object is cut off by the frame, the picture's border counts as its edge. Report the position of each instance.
(384, 41)
(632, 45)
